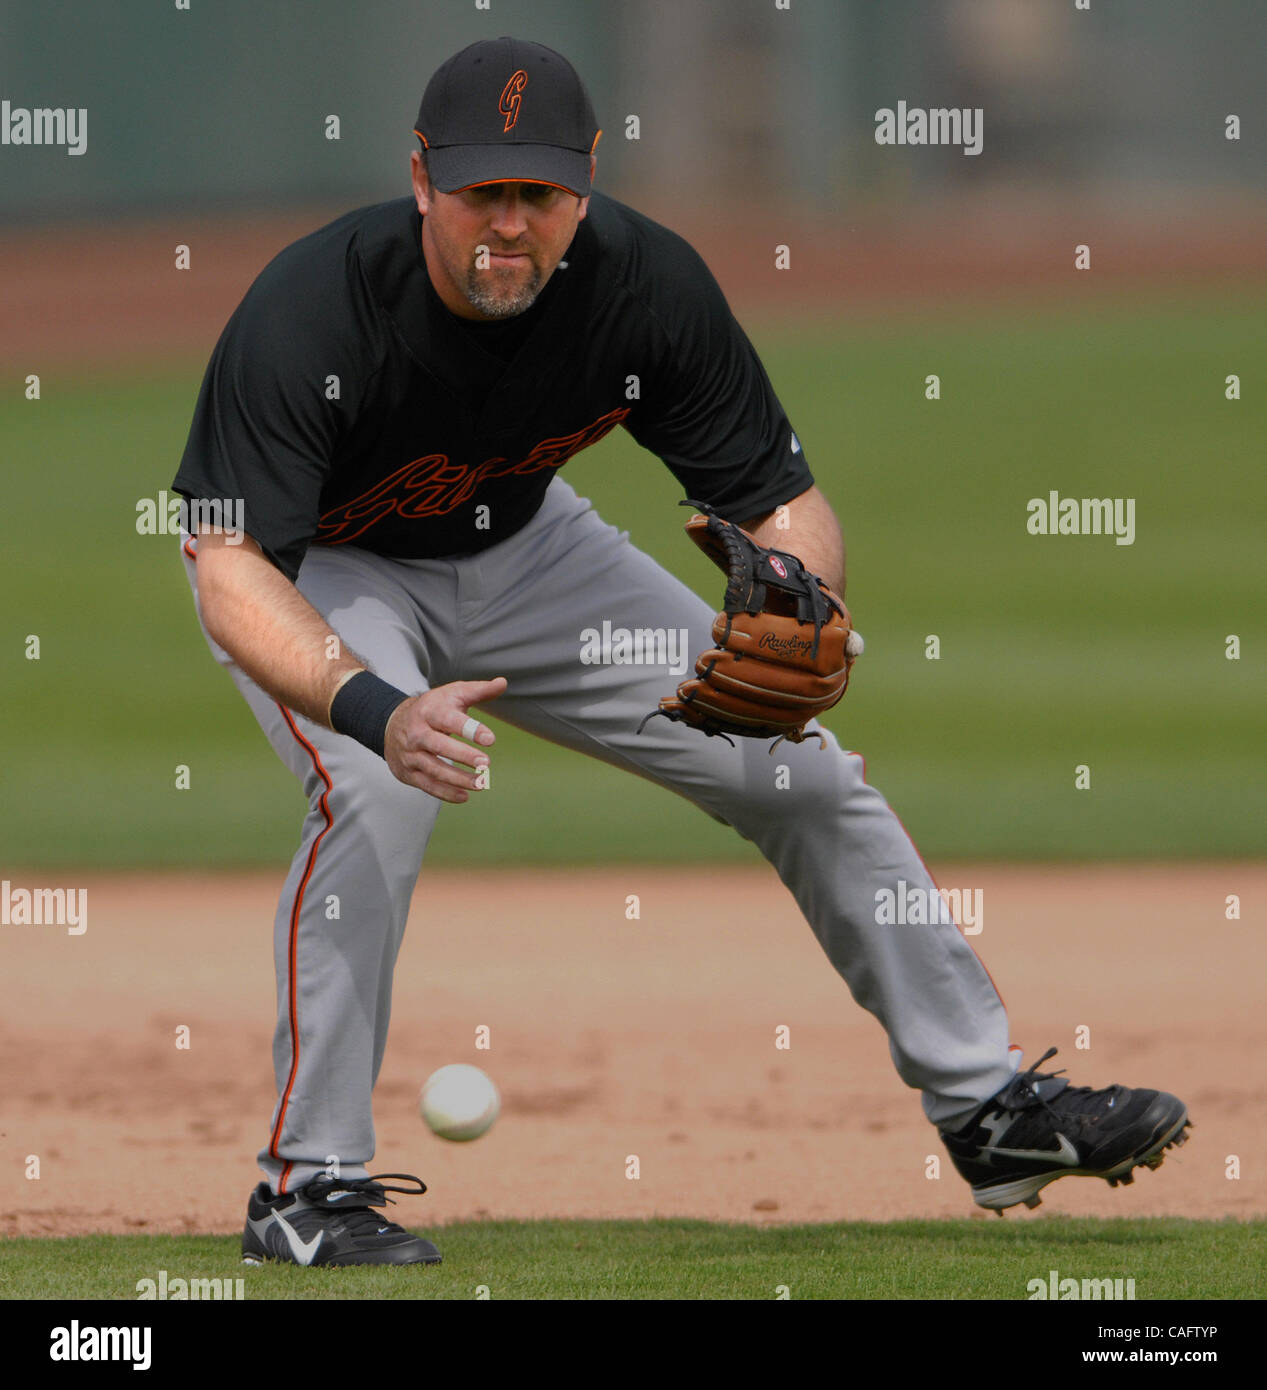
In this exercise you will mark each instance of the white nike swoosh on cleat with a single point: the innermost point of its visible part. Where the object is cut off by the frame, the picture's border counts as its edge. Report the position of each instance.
(301, 1250)
(1066, 1154)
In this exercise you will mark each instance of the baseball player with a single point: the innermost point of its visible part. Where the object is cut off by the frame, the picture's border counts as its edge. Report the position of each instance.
(392, 403)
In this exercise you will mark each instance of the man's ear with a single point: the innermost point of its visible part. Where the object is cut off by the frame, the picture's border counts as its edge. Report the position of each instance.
(421, 182)
(585, 202)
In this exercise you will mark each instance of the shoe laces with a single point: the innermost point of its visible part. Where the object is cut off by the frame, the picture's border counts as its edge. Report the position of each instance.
(358, 1213)
(1024, 1092)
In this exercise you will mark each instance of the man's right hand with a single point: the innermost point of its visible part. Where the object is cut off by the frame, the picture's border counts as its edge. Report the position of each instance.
(422, 745)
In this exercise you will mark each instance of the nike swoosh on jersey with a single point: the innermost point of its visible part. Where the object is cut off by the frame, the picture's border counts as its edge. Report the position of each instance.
(303, 1251)
(1065, 1154)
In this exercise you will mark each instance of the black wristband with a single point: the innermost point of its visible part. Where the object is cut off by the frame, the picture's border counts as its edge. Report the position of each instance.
(362, 708)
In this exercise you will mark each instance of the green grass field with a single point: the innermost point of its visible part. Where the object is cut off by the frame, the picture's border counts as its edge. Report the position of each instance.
(1054, 651)
(962, 1259)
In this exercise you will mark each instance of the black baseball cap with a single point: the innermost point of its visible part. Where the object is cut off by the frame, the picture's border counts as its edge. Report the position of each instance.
(506, 109)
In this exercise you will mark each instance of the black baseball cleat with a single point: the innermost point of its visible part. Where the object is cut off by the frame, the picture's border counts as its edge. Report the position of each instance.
(332, 1221)
(1039, 1128)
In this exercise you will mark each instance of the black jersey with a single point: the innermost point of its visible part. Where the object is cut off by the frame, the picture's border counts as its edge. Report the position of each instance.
(344, 404)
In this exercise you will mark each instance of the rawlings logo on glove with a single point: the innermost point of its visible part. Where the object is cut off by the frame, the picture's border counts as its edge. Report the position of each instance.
(785, 643)
(785, 646)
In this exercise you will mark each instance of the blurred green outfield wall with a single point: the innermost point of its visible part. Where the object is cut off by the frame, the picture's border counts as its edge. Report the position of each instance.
(225, 102)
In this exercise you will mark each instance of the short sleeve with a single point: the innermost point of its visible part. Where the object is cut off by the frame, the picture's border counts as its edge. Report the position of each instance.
(708, 409)
(263, 431)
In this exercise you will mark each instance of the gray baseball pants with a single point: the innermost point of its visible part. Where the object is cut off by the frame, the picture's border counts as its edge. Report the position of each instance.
(518, 610)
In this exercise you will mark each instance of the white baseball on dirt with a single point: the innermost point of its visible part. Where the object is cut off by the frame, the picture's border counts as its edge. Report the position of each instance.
(459, 1102)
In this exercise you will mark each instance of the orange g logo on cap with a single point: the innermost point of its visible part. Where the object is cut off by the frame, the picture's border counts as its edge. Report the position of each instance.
(510, 98)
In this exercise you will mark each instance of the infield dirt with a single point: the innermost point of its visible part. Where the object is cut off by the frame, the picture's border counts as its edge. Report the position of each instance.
(613, 1037)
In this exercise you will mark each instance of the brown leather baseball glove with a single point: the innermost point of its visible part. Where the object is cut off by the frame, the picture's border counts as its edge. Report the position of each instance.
(785, 642)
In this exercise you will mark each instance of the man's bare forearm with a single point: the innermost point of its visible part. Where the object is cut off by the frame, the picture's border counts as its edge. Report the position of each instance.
(807, 527)
(267, 626)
